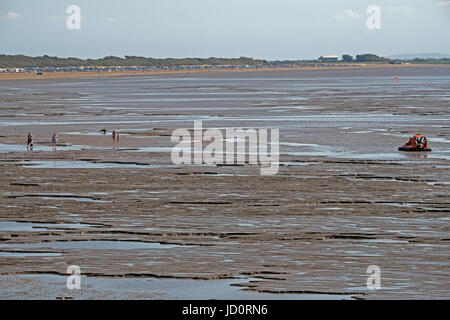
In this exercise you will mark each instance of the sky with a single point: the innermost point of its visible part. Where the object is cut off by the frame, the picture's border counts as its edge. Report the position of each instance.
(263, 29)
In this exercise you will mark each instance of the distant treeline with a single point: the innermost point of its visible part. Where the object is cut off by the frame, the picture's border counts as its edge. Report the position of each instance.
(368, 57)
(21, 61)
(374, 58)
(430, 61)
(365, 58)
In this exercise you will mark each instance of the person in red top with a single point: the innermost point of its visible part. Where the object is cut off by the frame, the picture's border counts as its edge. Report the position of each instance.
(412, 142)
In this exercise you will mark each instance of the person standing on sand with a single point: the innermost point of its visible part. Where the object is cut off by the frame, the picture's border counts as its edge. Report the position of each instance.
(114, 136)
(54, 140)
(29, 141)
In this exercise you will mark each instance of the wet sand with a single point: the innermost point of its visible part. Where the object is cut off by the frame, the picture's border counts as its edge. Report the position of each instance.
(344, 197)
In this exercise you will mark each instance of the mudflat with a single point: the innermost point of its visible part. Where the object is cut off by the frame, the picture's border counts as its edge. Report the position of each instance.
(344, 198)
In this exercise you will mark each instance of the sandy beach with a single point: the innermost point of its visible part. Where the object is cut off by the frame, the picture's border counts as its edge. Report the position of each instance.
(92, 74)
(344, 198)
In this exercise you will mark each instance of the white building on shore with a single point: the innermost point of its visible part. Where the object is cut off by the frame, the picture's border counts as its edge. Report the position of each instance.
(328, 58)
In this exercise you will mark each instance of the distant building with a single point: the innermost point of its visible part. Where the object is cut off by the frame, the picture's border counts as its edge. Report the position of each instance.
(328, 58)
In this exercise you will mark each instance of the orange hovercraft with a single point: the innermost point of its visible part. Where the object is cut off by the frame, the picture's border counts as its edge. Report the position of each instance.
(417, 143)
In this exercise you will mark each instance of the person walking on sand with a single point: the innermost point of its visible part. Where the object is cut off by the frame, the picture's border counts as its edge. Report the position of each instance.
(30, 142)
(54, 140)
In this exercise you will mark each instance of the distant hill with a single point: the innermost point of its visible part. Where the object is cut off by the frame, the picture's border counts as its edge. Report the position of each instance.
(411, 56)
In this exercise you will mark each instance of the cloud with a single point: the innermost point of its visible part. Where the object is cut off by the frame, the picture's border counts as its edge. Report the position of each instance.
(399, 9)
(346, 14)
(109, 19)
(443, 4)
(443, 7)
(13, 16)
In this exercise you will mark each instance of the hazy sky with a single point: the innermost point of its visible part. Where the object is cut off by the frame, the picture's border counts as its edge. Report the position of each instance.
(270, 29)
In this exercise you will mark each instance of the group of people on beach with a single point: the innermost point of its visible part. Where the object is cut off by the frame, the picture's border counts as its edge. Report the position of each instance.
(30, 141)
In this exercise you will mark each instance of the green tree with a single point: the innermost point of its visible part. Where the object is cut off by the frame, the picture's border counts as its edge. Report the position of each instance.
(369, 58)
(347, 58)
